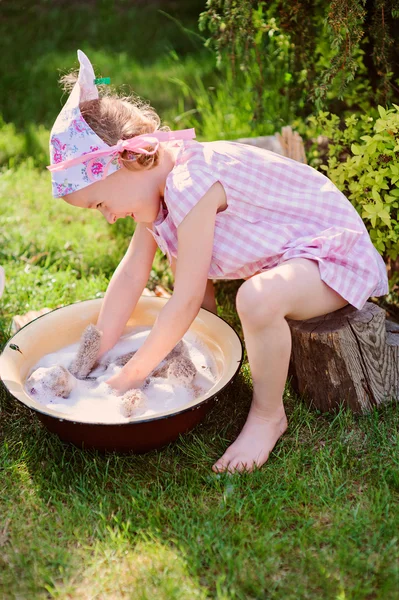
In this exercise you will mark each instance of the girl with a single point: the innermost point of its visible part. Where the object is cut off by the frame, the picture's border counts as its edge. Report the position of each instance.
(218, 210)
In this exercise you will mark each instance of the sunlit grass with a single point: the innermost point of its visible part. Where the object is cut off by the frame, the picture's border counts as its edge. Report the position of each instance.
(318, 521)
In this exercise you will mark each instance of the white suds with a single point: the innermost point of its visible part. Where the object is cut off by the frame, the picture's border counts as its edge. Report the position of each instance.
(93, 401)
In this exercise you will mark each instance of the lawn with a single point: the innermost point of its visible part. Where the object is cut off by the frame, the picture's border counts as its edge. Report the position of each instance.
(319, 520)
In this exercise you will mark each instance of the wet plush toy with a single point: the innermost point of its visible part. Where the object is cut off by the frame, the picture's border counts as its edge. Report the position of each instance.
(56, 381)
(182, 370)
(177, 365)
(59, 381)
(130, 400)
(87, 352)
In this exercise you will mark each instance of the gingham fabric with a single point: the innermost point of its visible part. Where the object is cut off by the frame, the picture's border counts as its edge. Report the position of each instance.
(278, 209)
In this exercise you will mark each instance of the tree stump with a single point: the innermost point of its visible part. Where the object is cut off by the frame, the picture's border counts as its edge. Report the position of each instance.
(287, 143)
(349, 357)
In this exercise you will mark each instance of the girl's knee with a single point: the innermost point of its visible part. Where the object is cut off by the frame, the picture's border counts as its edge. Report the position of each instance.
(258, 307)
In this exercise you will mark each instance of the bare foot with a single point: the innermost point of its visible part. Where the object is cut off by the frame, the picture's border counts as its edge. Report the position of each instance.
(255, 442)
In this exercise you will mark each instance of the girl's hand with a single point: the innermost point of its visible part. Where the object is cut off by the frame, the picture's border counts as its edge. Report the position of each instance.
(121, 382)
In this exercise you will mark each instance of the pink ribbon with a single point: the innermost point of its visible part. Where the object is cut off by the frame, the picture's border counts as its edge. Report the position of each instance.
(134, 144)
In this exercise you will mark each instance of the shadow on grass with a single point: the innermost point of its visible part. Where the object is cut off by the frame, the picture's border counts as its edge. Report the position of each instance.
(84, 524)
(85, 520)
(128, 505)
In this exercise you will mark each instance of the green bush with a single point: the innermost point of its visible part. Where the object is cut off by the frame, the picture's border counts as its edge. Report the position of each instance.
(317, 52)
(363, 164)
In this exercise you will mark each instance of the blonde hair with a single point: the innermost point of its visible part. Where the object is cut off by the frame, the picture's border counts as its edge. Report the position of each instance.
(113, 118)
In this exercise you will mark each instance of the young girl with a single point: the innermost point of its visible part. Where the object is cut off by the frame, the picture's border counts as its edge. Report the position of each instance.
(218, 210)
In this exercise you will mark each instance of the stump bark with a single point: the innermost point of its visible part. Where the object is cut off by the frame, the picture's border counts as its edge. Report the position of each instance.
(349, 357)
(287, 143)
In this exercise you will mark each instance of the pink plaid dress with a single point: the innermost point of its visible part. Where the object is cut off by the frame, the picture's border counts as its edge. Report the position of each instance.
(278, 209)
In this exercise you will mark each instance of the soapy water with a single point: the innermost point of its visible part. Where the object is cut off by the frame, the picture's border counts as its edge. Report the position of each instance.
(91, 400)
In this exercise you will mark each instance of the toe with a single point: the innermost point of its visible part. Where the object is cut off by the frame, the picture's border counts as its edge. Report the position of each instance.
(238, 465)
(222, 464)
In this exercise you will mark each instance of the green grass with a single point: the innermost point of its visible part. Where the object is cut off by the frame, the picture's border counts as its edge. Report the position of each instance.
(157, 54)
(320, 520)
(123, 39)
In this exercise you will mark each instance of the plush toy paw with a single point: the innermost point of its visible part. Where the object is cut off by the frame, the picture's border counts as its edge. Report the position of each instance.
(181, 370)
(162, 369)
(87, 352)
(121, 361)
(130, 400)
(178, 350)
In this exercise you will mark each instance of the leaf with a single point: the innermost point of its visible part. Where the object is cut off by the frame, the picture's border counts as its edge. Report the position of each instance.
(380, 245)
(382, 111)
(356, 149)
(388, 199)
(371, 148)
(371, 209)
(375, 194)
(385, 218)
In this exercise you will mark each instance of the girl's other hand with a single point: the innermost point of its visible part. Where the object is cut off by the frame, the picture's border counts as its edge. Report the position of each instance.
(121, 382)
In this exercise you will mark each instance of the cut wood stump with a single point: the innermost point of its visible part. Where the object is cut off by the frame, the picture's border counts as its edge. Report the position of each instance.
(287, 143)
(349, 357)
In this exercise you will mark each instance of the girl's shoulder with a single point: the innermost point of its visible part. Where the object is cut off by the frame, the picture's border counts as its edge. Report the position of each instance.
(231, 158)
(195, 171)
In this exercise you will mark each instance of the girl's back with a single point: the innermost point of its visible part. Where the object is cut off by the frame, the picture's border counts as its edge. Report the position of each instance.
(278, 209)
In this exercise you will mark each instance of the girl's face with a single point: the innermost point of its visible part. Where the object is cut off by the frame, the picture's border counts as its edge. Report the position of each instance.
(125, 193)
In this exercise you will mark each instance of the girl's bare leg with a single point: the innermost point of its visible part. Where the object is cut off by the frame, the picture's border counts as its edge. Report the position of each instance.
(209, 301)
(295, 290)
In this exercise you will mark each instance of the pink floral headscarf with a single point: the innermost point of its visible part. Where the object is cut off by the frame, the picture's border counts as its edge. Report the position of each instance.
(78, 155)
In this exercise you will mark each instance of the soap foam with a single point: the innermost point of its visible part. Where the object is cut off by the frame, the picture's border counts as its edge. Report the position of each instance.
(93, 401)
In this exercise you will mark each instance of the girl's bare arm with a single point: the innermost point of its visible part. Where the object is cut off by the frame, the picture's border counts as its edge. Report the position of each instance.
(195, 244)
(126, 286)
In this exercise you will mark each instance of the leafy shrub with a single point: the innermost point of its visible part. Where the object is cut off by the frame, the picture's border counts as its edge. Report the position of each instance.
(258, 55)
(323, 43)
(363, 164)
